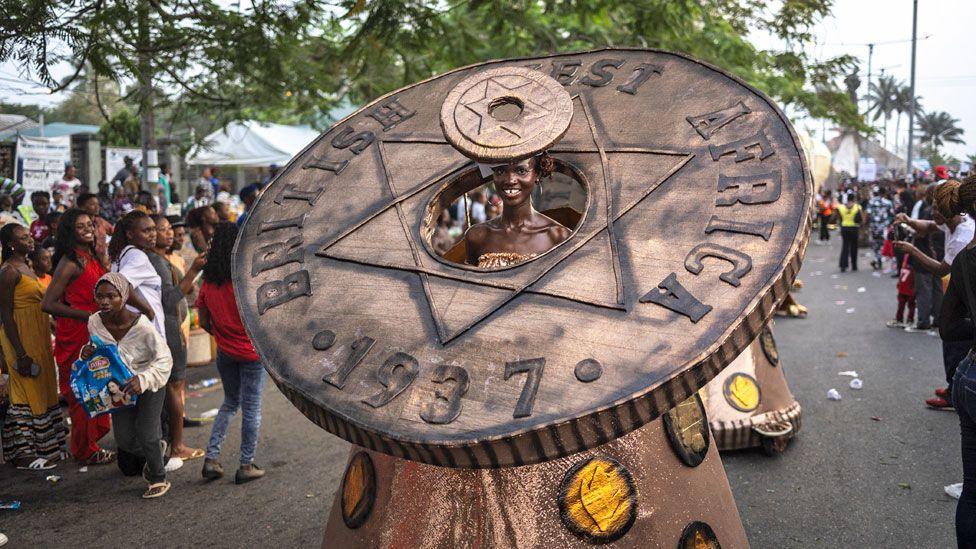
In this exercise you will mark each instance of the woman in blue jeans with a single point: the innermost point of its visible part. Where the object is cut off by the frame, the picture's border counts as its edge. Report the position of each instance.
(239, 365)
(955, 324)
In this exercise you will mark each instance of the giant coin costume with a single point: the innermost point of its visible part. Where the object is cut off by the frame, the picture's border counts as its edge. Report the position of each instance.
(549, 399)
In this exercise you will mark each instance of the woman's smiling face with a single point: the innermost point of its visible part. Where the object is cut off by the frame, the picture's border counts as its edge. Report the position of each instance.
(514, 181)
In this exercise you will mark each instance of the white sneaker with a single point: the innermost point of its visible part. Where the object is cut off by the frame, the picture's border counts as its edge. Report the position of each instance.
(173, 464)
(895, 324)
(953, 490)
(914, 329)
(3, 539)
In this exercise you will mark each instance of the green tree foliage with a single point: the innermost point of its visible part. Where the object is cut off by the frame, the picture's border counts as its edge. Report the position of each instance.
(938, 128)
(205, 58)
(883, 100)
(363, 49)
(904, 105)
(121, 129)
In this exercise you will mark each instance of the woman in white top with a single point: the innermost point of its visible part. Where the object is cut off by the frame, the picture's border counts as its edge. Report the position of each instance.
(134, 236)
(144, 351)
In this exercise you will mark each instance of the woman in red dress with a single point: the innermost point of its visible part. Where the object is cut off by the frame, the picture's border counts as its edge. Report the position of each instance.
(71, 299)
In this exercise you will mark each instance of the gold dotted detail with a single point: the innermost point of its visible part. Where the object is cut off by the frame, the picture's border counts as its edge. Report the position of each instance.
(598, 500)
(698, 535)
(358, 490)
(742, 392)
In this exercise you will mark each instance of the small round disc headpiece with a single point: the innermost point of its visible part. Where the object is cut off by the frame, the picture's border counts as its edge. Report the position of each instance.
(506, 113)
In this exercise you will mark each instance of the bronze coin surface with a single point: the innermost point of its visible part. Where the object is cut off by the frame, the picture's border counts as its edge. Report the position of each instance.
(506, 113)
(691, 230)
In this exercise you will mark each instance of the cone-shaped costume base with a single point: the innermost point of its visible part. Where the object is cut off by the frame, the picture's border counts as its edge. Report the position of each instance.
(635, 491)
(749, 403)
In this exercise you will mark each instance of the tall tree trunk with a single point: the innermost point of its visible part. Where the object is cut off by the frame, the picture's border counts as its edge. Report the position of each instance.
(885, 132)
(147, 115)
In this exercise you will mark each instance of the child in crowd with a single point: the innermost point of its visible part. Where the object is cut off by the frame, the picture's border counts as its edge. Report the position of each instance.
(41, 264)
(53, 219)
(143, 349)
(906, 295)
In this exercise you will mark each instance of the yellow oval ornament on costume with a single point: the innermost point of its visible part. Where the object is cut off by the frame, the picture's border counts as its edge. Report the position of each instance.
(742, 392)
(598, 500)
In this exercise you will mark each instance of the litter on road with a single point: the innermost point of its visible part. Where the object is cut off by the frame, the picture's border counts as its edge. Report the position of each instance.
(833, 395)
(856, 384)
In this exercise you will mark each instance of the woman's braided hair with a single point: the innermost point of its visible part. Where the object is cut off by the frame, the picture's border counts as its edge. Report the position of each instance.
(953, 198)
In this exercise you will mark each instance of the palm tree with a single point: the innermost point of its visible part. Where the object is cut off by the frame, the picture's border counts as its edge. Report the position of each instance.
(903, 105)
(939, 128)
(882, 99)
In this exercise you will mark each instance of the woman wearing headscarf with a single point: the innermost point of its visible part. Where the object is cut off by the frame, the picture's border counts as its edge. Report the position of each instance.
(143, 349)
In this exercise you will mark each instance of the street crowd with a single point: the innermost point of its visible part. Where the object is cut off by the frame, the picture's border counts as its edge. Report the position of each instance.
(121, 266)
(922, 234)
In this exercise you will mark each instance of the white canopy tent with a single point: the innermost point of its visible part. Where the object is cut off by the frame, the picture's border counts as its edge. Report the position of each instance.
(251, 144)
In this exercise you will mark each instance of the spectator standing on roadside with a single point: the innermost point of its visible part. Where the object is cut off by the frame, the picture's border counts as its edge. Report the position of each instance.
(106, 206)
(134, 239)
(825, 210)
(850, 220)
(248, 195)
(91, 205)
(33, 431)
(165, 191)
(175, 311)
(959, 308)
(70, 299)
(881, 212)
(41, 203)
(928, 289)
(66, 185)
(239, 365)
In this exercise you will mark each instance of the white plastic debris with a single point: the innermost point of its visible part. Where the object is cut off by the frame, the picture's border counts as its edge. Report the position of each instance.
(861, 290)
(840, 302)
(954, 490)
(83, 469)
(833, 395)
(856, 383)
(834, 276)
(849, 310)
(209, 413)
(848, 373)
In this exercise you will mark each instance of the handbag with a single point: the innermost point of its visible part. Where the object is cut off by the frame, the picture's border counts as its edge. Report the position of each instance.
(98, 382)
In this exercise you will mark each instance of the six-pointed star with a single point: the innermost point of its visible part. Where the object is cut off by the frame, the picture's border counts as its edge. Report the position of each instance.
(488, 124)
(591, 247)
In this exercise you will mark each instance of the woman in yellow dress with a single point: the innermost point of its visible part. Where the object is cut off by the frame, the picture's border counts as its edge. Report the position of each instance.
(34, 432)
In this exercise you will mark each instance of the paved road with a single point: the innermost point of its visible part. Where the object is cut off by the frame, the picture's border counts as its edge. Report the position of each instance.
(848, 481)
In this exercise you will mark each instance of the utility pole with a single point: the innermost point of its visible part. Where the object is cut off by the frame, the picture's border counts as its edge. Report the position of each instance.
(870, 55)
(911, 104)
(147, 99)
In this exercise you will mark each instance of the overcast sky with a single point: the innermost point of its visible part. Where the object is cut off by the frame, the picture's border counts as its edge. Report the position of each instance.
(946, 64)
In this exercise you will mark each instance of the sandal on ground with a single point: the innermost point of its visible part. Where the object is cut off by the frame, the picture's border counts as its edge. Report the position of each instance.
(157, 490)
(39, 464)
(101, 457)
(195, 453)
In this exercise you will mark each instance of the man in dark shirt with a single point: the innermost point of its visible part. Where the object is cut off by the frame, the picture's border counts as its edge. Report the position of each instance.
(125, 173)
(928, 287)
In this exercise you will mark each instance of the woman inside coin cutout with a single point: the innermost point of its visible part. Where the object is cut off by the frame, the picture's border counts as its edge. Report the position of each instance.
(520, 232)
